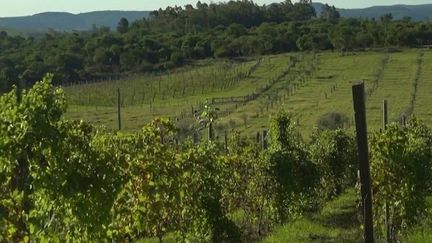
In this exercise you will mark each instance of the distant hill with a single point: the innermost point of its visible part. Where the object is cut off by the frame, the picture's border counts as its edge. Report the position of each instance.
(67, 22)
(416, 12)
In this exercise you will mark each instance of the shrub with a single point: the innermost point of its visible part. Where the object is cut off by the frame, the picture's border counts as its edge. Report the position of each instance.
(332, 121)
(335, 154)
(401, 162)
(294, 173)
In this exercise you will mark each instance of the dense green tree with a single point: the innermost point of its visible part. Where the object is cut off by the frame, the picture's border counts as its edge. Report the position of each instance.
(172, 35)
(123, 26)
(330, 13)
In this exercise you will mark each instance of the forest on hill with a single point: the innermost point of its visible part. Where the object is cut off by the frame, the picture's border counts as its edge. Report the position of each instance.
(173, 36)
(39, 23)
(63, 21)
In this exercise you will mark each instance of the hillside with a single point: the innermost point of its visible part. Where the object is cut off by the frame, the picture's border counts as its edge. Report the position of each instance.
(326, 89)
(63, 21)
(416, 12)
(67, 22)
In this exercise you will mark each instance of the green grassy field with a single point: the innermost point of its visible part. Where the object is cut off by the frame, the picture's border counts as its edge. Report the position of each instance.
(422, 105)
(328, 89)
(339, 221)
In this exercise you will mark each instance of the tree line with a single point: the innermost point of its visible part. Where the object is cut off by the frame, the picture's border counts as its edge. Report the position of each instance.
(175, 36)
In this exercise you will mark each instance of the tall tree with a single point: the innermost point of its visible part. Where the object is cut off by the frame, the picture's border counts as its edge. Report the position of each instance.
(123, 26)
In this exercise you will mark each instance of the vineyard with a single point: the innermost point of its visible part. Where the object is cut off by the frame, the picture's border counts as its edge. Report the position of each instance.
(69, 180)
(218, 122)
(247, 92)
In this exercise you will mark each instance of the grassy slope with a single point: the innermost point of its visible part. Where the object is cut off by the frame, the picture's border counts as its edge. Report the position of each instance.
(396, 87)
(422, 107)
(309, 102)
(96, 102)
(329, 89)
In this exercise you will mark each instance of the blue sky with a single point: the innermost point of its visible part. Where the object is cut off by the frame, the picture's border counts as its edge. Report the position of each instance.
(28, 7)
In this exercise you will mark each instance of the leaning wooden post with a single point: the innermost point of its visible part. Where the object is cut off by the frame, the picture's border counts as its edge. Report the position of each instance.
(119, 109)
(363, 157)
(387, 211)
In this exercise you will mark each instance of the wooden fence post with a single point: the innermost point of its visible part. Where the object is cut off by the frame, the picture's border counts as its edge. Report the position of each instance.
(119, 109)
(258, 138)
(363, 156)
(385, 114)
(210, 132)
(264, 141)
(387, 211)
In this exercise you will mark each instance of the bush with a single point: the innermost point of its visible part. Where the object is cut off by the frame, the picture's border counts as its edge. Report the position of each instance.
(294, 173)
(332, 121)
(335, 155)
(401, 162)
(177, 57)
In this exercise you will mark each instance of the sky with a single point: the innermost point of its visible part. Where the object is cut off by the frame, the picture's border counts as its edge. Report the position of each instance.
(10, 8)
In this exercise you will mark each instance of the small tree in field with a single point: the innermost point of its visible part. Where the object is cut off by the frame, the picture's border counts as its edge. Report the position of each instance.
(332, 121)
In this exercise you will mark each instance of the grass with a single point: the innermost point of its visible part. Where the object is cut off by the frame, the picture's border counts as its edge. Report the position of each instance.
(96, 102)
(328, 89)
(422, 232)
(422, 105)
(396, 87)
(337, 222)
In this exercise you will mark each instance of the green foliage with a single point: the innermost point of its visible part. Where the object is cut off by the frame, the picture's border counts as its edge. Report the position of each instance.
(250, 186)
(70, 181)
(55, 180)
(172, 190)
(401, 160)
(335, 154)
(123, 26)
(295, 174)
(332, 121)
(28, 130)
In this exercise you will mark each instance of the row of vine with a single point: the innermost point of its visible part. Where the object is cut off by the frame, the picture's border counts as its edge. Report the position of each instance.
(70, 181)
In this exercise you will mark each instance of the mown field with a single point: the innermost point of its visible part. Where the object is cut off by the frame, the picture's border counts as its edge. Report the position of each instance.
(315, 85)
